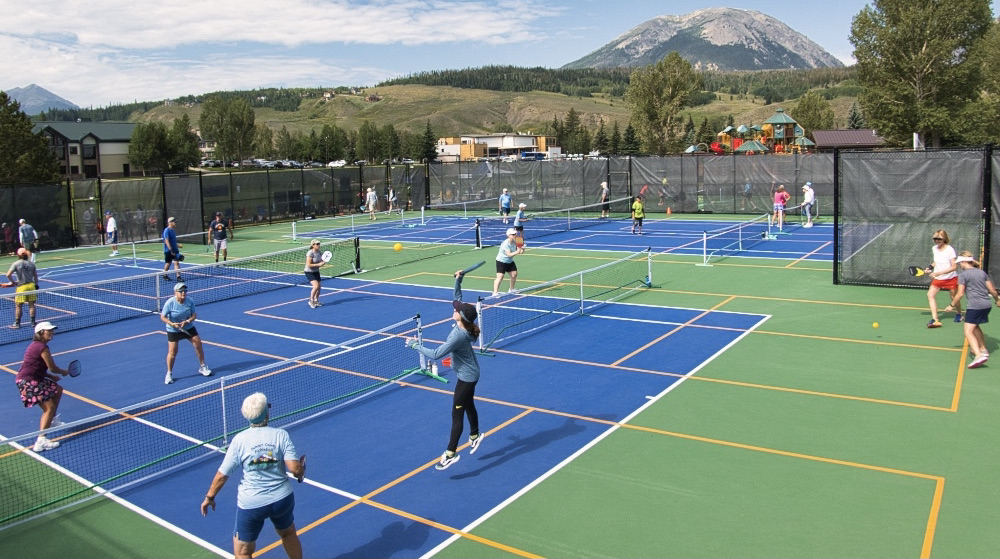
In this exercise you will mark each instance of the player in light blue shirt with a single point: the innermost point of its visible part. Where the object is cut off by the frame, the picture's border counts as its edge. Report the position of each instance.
(505, 260)
(265, 455)
(505, 205)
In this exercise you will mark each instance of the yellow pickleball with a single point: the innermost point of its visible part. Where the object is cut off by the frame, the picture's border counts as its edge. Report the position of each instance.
(397, 247)
(874, 324)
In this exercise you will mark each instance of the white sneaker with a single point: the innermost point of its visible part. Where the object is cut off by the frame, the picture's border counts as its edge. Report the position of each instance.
(205, 371)
(44, 444)
(168, 379)
(446, 460)
(56, 422)
(474, 443)
(312, 305)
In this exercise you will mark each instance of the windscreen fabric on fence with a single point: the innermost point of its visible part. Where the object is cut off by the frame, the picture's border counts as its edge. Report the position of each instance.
(889, 204)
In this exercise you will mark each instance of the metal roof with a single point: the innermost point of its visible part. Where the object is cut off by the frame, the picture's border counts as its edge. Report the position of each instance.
(862, 137)
(77, 131)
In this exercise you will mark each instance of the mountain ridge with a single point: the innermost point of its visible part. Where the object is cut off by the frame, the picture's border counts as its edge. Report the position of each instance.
(34, 99)
(720, 39)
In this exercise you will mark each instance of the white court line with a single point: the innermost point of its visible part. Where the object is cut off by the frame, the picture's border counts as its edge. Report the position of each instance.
(651, 400)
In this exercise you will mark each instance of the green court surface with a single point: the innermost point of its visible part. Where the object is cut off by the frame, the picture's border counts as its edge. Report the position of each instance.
(815, 435)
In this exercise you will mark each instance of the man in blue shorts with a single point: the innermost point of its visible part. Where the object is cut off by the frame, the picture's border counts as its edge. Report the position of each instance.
(505, 205)
(264, 455)
(171, 250)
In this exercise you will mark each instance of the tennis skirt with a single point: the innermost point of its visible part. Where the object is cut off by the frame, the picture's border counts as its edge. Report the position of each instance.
(30, 286)
(37, 391)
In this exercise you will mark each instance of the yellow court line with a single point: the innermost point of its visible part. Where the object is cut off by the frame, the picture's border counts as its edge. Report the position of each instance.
(855, 340)
(807, 255)
(367, 499)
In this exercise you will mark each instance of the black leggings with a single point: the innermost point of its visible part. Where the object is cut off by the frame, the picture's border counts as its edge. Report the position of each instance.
(462, 404)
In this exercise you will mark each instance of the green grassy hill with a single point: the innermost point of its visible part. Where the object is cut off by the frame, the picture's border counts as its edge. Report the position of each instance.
(454, 111)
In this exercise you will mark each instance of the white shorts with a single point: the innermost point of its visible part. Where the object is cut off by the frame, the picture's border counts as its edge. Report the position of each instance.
(221, 244)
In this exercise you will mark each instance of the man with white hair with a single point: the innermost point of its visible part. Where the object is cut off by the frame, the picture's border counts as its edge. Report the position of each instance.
(265, 455)
(808, 200)
(605, 199)
(28, 237)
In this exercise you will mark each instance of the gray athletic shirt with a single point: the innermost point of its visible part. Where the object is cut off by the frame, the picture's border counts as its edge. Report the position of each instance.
(977, 296)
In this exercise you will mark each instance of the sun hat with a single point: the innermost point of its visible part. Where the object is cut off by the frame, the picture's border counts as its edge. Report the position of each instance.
(45, 325)
(467, 310)
(512, 231)
(965, 259)
(181, 287)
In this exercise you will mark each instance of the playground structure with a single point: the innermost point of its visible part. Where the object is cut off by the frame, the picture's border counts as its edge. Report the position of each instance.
(779, 134)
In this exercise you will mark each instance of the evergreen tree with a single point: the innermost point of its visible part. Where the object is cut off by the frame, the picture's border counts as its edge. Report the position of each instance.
(24, 157)
(615, 144)
(855, 120)
(601, 140)
(429, 144)
(631, 144)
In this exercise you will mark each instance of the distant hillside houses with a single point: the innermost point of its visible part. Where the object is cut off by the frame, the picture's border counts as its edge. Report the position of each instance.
(472, 147)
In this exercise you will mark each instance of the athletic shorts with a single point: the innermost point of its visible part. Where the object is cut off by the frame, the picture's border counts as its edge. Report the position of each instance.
(113, 237)
(977, 316)
(168, 257)
(779, 208)
(947, 284)
(221, 244)
(192, 333)
(21, 288)
(249, 522)
(504, 211)
(312, 276)
(637, 221)
(504, 267)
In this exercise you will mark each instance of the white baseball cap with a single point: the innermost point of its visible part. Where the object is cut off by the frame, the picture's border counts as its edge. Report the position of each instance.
(512, 231)
(45, 325)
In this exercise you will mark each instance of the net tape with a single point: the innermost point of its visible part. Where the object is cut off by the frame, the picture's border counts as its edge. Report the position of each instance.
(493, 230)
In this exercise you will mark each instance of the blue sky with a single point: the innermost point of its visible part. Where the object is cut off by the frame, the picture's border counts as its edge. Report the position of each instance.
(119, 51)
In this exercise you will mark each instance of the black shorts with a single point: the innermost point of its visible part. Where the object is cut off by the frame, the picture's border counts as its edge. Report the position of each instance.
(192, 332)
(168, 257)
(504, 211)
(977, 316)
(503, 267)
(519, 228)
(312, 276)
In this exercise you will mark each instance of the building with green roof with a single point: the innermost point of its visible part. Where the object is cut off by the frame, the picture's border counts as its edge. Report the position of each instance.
(88, 150)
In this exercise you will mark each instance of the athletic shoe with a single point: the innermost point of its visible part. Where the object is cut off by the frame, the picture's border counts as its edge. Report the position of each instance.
(807, 225)
(446, 460)
(979, 361)
(474, 442)
(56, 422)
(958, 317)
(166, 278)
(168, 379)
(17, 325)
(318, 304)
(205, 371)
(41, 443)
(312, 305)
(934, 324)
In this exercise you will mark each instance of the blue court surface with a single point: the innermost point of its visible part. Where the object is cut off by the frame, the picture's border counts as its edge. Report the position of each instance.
(371, 488)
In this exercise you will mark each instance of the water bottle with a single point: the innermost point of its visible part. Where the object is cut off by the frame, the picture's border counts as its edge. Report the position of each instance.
(434, 367)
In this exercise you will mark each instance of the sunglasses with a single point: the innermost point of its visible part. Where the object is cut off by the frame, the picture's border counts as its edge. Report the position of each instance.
(936, 239)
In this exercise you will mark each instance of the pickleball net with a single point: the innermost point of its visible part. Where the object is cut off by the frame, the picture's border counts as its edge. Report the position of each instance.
(351, 225)
(147, 440)
(735, 239)
(71, 307)
(504, 318)
(492, 230)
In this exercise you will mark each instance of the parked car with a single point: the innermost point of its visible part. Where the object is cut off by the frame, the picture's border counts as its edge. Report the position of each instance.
(406, 161)
(360, 162)
(337, 163)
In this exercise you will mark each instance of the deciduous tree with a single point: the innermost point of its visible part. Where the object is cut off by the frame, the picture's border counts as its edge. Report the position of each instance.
(24, 156)
(913, 64)
(656, 95)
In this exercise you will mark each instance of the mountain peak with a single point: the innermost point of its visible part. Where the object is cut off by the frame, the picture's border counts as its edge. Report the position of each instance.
(723, 39)
(35, 99)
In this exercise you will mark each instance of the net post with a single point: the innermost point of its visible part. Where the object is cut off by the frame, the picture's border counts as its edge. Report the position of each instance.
(479, 233)
(583, 296)
(423, 215)
(649, 266)
(295, 236)
(704, 249)
(225, 419)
